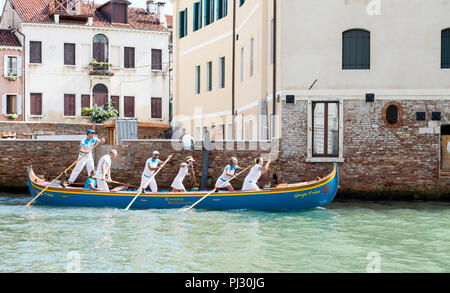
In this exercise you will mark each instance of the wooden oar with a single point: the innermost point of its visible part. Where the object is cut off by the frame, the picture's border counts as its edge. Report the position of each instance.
(195, 179)
(51, 183)
(118, 183)
(147, 183)
(214, 190)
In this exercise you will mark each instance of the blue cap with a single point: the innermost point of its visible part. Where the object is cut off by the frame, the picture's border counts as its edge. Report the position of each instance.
(90, 131)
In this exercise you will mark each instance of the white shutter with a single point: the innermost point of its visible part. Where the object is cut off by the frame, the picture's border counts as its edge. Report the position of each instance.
(19, 104)
(6, 66)
(19, 66)
(4, 104)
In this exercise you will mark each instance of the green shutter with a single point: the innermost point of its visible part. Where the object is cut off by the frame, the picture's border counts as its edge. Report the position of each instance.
(195, 22)
(445, 48)
(185, 21)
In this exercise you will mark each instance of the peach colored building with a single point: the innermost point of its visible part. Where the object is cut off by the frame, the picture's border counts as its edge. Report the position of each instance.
(11, 83)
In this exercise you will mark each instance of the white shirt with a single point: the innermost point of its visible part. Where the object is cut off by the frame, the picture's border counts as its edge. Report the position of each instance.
(182, 173)
(254, 174)
(150, 163)
(228, 169)
(105, 159)
(87, 145)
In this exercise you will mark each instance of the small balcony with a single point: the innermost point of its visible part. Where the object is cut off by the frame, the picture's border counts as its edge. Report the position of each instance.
(100, 68)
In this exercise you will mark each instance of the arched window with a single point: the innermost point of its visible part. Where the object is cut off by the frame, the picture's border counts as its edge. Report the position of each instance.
(100, 94)
(392, 114)
(445, 48)
(356, 49)
(100, 47)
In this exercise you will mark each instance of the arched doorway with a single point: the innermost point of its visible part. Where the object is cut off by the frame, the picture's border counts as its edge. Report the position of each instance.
(100, 94)
(445, 148)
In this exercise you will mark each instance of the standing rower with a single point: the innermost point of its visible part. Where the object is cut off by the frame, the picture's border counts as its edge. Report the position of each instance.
(177, 183)
(228, 172)
(253, 176)
(86, 145)
(151, 166)
(104, 170)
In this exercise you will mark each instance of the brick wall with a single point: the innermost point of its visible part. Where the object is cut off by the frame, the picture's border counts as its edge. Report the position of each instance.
(378, 159)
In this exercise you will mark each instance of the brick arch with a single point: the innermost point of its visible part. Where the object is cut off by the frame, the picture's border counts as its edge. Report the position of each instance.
(400, 120)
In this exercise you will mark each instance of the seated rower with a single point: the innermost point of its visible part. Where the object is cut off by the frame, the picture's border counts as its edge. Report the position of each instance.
(177, 183)
(255, 173)
(91, 183)
(228, 172)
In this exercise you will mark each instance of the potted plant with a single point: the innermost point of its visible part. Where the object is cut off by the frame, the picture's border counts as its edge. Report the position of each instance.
(99, 114)
(100, 68)
(12, 77)
(13, 116)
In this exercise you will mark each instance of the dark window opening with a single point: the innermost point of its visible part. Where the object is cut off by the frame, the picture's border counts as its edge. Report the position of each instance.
(392, 115)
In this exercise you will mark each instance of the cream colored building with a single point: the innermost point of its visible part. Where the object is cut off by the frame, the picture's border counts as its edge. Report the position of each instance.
(223, 69)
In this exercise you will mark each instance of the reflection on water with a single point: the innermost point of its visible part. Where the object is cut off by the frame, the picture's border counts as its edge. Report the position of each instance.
(408, 237)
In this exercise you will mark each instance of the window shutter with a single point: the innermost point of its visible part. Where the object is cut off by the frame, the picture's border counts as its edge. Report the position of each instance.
(129, 107)
(19, 66)
(35, 104)
(66, 105)
(19, 104)
(115, 100)
(85, 101)
(6, 66)
(4, 104)
(445, 48)
(157, 108)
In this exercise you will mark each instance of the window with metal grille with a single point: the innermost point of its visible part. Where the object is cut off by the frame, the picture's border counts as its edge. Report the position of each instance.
(445, 48)
(69, 54)
(325, 132)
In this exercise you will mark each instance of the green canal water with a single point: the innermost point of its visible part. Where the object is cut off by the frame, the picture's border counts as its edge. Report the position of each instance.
(347, 236)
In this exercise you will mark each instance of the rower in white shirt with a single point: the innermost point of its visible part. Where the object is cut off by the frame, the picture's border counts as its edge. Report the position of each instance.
(227, 173)
(177, 183)
(255, 173)
(104, 170)
(86, 145)
(151, 166)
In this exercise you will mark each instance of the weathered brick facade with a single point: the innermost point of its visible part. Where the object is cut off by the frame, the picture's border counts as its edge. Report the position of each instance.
(379, 159)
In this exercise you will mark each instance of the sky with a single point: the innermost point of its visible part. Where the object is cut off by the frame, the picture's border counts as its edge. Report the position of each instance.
(136, 3)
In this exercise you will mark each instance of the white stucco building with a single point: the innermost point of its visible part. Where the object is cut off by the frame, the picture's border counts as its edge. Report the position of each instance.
(62, 37)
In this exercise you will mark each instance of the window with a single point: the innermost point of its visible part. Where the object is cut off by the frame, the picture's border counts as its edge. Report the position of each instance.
(100, 47)
(69, 105)
(222, 8)
(392, 114)
(209, 76)
(100, 94)
(445, 48)
(11, 65)
(325, 130)
(85, 101)
(241, 2)
(128, 107)
(35, 52)
(209, 11)
(156, 59)
(356, 49)
(157, 108)
(242, 64)
(129, 57)
(222, 72)
(36, 104)
(115, 103)
(69, 54)
(252, 56)
(197, 23)
(11, 104)
(197, 80)
(183, 23)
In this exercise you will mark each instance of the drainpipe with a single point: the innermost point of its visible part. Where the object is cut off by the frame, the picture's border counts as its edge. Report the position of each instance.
(233, 82)
(274, 102)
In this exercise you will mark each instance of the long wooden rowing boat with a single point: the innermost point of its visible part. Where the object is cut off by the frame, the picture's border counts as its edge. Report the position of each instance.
(285, 197)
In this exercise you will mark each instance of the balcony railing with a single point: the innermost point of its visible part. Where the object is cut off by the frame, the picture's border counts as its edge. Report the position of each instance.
(100, 68)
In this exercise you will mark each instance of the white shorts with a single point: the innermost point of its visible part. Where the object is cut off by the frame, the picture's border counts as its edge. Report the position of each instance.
(219, 182)
(102, 185)
(250, 185)
(178, 184)
(153, 185)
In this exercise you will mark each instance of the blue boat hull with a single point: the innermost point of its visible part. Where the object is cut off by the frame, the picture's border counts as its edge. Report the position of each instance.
(292, 197)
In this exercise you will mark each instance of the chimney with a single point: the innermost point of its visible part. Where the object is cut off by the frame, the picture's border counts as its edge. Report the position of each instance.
(151, 6)
(90, 21)
(56, 18)
(161, 14)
